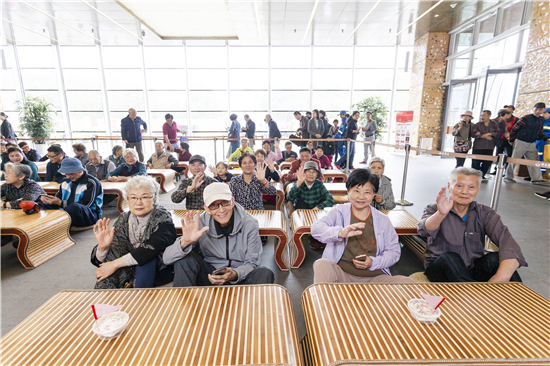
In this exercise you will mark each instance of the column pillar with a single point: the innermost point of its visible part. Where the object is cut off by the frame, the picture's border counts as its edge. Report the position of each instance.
(534, 82)
(427, 95)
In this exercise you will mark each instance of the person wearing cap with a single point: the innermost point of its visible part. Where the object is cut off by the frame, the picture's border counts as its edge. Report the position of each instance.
(308, 192)
(272, 152)
(305, 156)
(161, 159)
(301, 132)
(80, 194)
(456, 228)
(462, 132)
(130, 253)
(234, 133)
(226, 236)
(191, 189)
(249, 187)
(369, 130)
(540, 143)
(244, 148)
(361, 243)
(131, 167)
(523, 137)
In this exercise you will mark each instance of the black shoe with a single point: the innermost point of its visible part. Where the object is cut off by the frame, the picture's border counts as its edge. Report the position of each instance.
(544, 196)
(527, 179)
(493, 173)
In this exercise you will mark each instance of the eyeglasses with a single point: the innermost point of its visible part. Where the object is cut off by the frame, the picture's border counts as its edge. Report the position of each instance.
(142, 199)
(214, 206)
(52, 156)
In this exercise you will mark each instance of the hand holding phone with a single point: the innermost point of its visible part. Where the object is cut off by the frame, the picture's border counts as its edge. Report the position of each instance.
(362, 257)
(219, 271)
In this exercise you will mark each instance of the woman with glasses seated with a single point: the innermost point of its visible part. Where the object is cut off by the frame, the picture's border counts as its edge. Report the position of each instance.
(130, 168)
(130, 253)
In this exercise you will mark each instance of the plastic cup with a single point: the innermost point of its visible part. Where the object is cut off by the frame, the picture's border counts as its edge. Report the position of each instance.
(111, 325)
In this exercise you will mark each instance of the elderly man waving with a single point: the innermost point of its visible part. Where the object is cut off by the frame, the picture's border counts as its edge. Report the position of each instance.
(456, 229)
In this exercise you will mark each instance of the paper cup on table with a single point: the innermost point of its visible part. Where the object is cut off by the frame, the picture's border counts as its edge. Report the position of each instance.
(111, 325)
(422, 312)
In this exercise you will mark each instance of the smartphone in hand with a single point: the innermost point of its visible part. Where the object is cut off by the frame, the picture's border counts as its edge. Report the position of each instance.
(362, 257)
(220, 271)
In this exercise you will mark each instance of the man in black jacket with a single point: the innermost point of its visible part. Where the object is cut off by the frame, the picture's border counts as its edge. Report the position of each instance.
(130, 129)
(250, 130)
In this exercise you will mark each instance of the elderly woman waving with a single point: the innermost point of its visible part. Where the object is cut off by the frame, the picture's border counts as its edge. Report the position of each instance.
(131, 252)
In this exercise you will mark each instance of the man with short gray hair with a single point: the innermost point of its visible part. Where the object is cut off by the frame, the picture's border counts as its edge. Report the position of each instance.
(97, 166)
(456, 229)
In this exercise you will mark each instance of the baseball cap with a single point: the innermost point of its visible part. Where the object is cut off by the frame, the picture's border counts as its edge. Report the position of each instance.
(216, 192)
(70, 166)
(342, 112)
(540, 105)
(547, 110)
(510, 106)
(197, 158)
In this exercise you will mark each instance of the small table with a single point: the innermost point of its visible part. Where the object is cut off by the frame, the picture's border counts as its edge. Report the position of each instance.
(301, 221)
(166, 177)
(480, 323)
(207, 326)
(42, 235)
(272, 223)
(116, 189)
(185, 167)
(49, 187)
(41, 166)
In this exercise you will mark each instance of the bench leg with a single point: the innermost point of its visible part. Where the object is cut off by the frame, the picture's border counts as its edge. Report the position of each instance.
(299, 246)
(280, 251)
(22, 247)
(280, 200)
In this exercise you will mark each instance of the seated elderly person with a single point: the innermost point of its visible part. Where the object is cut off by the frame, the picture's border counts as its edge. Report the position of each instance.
(305, 156)
(130, 168)
(80, 153)
(117, 157)
(16, 155)
(456, 229)
(228, 240)
(80, 194)
(97, 166)
(19, 187)
(131, 252)
(241, 150)
(161, 159)
(270, 156)
(191, 189)
(247, 188)
(361, 243)
(383, 199)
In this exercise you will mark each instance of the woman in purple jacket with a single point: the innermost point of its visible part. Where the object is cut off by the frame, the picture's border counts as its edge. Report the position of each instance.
(361, 242)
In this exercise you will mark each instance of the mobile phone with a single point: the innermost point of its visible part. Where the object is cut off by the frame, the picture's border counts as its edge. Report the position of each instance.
(219, 271)
(362, 257)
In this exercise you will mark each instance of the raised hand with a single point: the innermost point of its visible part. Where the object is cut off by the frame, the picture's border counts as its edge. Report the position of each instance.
(213, 170)
(271, 166)
(301, 174)
(260, 172)
(444, 205)
(197, 181)
(190, 230)
(277, 143)
(352, 230)
(103, 234)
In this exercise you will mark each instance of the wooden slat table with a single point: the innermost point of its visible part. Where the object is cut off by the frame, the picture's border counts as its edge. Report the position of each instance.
(49, 187)
(166, 177)
(198, 326)
(327, 173)
(301, 221)
(42, 235)
(116, 189)
(272, 223)
(481, 324)
(185, 167)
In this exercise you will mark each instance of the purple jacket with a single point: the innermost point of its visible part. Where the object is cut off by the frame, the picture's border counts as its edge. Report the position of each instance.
(326, 230)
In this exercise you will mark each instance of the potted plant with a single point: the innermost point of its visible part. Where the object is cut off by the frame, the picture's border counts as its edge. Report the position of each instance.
(35, 120)
(379, 113)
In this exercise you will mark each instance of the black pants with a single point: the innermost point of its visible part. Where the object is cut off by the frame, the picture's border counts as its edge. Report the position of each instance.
(504, 146)
(482, 165)
(460, 162)
(449, 267)
(192, 270)
(299, 143)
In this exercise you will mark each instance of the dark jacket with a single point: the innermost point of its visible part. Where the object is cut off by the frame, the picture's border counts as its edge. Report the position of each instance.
(250, 129)
(274, 130)
(33, 155)
(52, 173)
(131, 130)
(529, 129)
(7, 130)
(29, 191)
(304, 121)
(87, 191)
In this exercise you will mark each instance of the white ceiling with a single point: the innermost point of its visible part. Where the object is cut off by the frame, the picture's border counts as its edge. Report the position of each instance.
(281, 22)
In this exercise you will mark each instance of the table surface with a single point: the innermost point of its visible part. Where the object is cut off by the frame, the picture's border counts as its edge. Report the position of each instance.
(484, 323)
(229, 325)
(333, 188)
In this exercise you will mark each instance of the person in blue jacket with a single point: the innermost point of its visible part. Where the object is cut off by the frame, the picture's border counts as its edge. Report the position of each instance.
(234, 133)
(131, 130)
(540, 143)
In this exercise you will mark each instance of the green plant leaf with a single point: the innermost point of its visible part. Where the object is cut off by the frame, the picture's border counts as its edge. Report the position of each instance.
(36, 117)
(379, 113)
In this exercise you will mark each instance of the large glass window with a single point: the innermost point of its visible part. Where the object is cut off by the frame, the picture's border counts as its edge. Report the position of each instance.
(463, 39)
(496, 54)
(487, 28)
(511, 16)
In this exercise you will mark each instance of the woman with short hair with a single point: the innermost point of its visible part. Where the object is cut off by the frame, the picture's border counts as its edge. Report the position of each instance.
(361, 243)
(19, 187)
(117, 157)
(130, 168)
(248, 187)
(383, 199)
(16, 155)
(130, 253)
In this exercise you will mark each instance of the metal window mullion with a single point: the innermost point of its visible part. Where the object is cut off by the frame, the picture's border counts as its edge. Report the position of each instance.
(498, 22)
(311, 78)
(269, 73)
(187, 87)
(145, 90)
(62, 93)
(19, 87)
(352, 78)
(105, 99)
(519, 47)
(392, 100)
(228, 82)
(471, 62)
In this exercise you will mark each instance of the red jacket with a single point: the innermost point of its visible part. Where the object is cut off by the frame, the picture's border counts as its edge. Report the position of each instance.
(291, 176)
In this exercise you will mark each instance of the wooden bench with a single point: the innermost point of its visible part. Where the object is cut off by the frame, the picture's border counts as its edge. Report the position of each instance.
(116, 189)
(272, 223)
(166, 177)
(301, 221)
(416, 244)
(480, 324)
(336, 175)
(42, 236)
(207, 326)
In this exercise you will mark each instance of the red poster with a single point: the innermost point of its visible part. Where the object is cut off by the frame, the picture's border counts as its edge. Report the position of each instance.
(404, 117)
